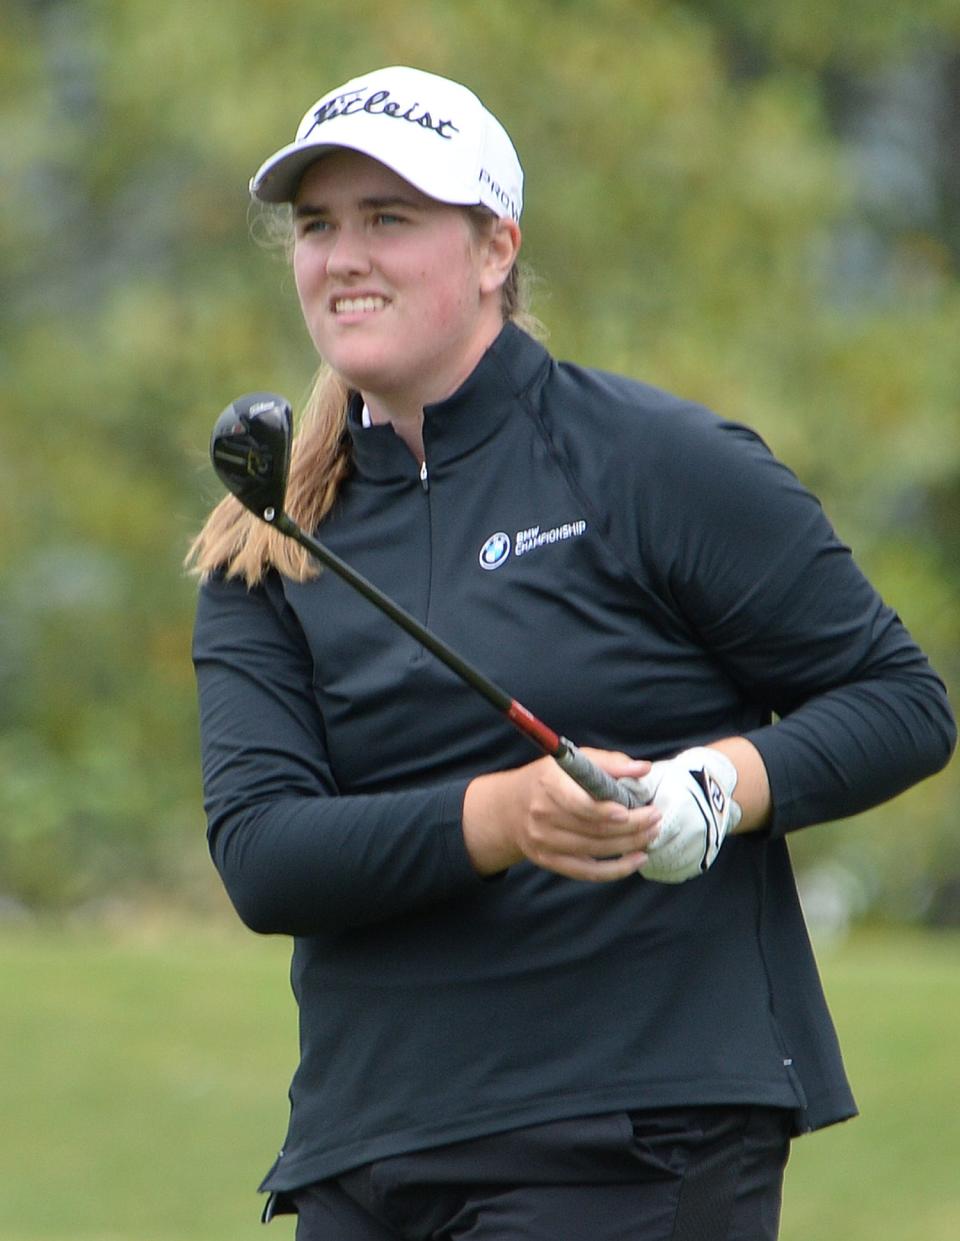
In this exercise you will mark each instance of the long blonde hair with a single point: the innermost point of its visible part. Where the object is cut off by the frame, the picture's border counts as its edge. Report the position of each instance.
(239, 544)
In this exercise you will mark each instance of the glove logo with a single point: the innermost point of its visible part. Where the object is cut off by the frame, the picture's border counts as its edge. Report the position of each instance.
(716, 799)
(495, 551)
(717, 796)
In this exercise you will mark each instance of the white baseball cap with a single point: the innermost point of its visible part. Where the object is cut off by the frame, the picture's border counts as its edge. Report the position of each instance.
(434, 133)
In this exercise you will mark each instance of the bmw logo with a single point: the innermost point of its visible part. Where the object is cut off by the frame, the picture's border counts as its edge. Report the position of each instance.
(495, 551)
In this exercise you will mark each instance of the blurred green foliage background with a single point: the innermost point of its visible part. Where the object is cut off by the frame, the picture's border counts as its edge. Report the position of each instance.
(755, 205)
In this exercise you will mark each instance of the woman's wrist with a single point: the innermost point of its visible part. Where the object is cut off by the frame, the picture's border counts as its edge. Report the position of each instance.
(753, 787)
(486, 808)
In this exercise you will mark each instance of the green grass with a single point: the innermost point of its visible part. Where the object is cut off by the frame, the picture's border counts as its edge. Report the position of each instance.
(143, 1073)
(143, 1078)
(892, 1174)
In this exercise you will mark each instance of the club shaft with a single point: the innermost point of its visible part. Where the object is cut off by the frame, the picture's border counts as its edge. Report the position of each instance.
(600, 785)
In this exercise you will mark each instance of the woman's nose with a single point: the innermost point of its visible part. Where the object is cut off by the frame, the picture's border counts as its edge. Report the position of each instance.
(349, 252)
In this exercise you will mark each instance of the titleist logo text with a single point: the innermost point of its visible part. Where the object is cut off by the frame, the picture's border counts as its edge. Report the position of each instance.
(379, 103)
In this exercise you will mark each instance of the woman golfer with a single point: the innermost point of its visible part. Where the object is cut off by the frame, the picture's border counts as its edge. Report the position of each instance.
(524, 1013)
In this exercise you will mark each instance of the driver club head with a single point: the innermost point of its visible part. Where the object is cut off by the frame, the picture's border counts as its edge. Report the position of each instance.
(250, 451)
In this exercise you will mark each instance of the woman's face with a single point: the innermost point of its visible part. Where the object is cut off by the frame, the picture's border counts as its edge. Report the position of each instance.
(399, 294)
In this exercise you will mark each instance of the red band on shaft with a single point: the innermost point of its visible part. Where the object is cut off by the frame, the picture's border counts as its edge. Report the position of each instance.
(545, 737)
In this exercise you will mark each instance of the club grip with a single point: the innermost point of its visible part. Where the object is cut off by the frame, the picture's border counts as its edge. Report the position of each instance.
(600, 785)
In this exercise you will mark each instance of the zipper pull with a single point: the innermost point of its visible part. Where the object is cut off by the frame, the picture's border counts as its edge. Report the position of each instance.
(424, 478)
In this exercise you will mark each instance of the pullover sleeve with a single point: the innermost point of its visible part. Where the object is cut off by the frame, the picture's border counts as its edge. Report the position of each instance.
(778, 599)
(295, 856)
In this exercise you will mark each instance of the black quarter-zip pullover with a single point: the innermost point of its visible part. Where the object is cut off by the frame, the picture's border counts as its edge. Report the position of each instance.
(644, 576)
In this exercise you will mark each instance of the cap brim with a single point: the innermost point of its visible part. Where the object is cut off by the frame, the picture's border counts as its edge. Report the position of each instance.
(277, 180)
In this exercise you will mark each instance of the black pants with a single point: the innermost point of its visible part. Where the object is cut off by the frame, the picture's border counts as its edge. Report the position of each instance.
(682, 1174)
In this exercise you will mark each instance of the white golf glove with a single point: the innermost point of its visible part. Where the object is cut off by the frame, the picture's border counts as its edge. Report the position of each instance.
(694, 791)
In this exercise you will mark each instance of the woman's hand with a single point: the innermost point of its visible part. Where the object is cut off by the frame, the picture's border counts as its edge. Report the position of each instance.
(537, 812)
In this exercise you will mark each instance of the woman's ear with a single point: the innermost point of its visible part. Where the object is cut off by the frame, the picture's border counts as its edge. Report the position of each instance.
(502, 247)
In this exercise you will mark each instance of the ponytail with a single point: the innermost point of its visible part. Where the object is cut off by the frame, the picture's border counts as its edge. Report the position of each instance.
(236, 542)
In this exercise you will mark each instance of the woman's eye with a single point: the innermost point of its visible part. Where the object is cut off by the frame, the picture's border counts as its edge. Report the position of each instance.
(313, 225)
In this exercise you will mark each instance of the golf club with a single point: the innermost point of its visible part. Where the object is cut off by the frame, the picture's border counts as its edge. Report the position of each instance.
(250, 450)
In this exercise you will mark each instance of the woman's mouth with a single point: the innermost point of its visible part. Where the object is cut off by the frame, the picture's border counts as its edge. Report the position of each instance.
(358, 305)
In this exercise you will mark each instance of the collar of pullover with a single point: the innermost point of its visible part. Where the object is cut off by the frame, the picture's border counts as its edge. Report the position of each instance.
(462, 422)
